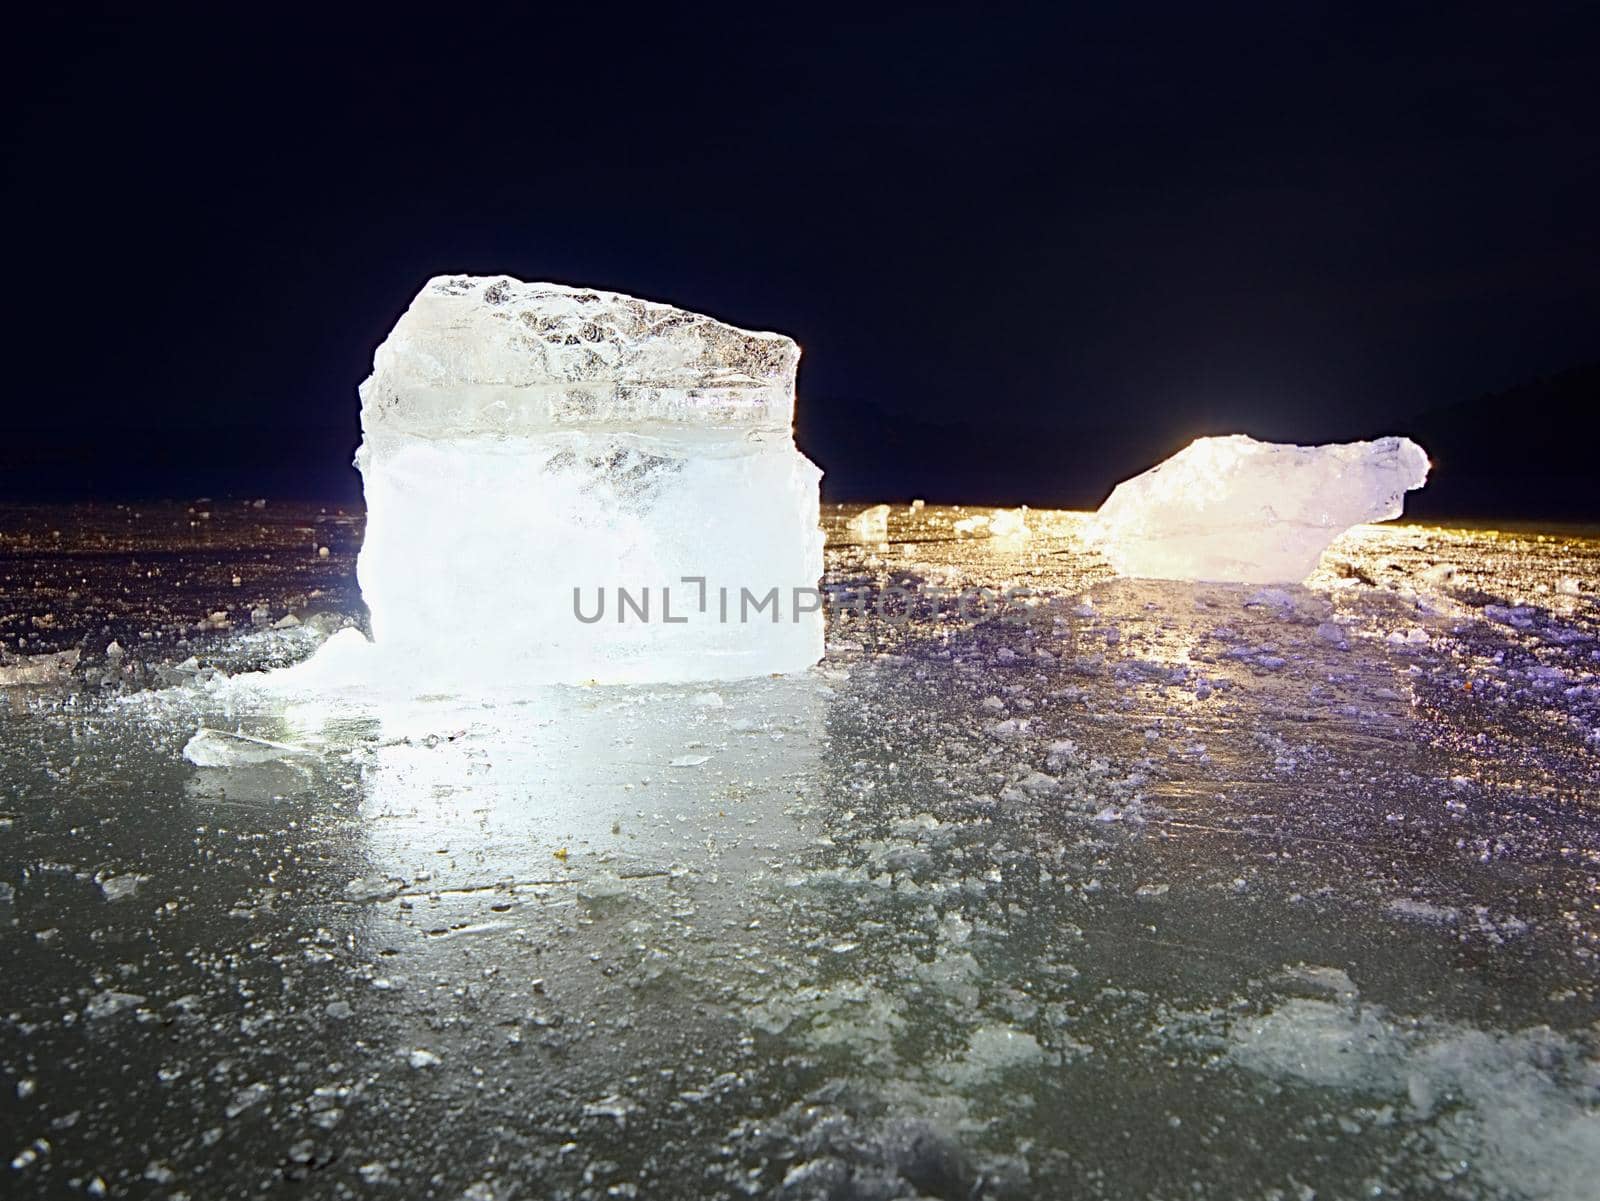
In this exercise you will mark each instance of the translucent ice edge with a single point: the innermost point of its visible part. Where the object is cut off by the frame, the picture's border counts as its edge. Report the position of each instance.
(1233, 509)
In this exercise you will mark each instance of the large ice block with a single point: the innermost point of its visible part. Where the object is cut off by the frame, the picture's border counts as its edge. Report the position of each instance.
(564, 484)
(1235, 509)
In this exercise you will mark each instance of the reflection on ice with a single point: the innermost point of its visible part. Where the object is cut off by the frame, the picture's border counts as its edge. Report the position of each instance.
(1160, 889)
(573, 781)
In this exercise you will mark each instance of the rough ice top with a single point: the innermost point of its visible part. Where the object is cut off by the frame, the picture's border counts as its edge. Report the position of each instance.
(495, 355)
(1235, 509)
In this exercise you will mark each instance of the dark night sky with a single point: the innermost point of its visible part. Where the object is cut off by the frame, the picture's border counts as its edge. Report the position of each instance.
(1026, 248)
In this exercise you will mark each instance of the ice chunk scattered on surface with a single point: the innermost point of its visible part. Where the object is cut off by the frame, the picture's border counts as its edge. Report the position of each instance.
(364, 889)
(105, 1004)
(219, 748)
(1002, 523)
(527, 445)
(991, 1052)
(870, 525)
(1522, 1132)
(1235, 509)
(120, 888)
(1009, 523)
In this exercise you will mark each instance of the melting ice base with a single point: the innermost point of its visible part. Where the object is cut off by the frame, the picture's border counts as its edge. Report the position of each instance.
(533, 451)
(1235, 509)
(558, 525)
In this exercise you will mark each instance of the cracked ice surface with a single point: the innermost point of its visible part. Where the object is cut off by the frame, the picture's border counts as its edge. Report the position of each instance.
(526, 444)
(1128, 889)
(1237, 509)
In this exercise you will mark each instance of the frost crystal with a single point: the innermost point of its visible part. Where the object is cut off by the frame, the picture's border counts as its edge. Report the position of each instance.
(532, 452)
(1234, 509)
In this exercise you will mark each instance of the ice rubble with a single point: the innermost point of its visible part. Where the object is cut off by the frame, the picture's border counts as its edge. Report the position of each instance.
(533, 452)
(1235, 509)
(20, 671)
(1497, 1100)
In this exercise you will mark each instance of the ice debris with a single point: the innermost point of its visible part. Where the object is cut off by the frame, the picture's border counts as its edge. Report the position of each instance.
(1002, 523)
(120, 888)
(37, 669)
(530, 446)
(110, 1002)
(219, 748)
(1009, 523)
(870, 525)
(1507, 1114)
(1235, 509)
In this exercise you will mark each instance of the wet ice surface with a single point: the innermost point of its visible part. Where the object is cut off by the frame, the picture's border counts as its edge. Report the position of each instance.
(1134, 889)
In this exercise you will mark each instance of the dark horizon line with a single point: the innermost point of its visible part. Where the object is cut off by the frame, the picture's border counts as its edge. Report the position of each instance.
(1522, 452)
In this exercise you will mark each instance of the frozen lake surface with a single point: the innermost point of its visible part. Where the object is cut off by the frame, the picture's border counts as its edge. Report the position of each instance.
(1126, 890)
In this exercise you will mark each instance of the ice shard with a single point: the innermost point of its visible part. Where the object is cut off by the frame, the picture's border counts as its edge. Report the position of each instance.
(566, 485)
(870, 525)
(1235, 509)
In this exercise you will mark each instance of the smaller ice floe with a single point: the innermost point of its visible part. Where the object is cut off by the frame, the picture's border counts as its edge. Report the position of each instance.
(375, 888)
(219, 748)
(106, 1004)
(1424, 911)
(1010, 729)
(1514, 1107)
(120, 888)
(1002, 523)
(870, 525)
(1440, 575)
(1415, 636)
(1334, 633)
(1519, 617)
(993, 1051)
(1276, 599)
(1237, 510)
(1323, 979)
(1009, 523)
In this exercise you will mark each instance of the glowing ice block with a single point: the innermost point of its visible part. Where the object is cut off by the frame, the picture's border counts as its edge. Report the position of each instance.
(1235, 509)
(566, 485)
